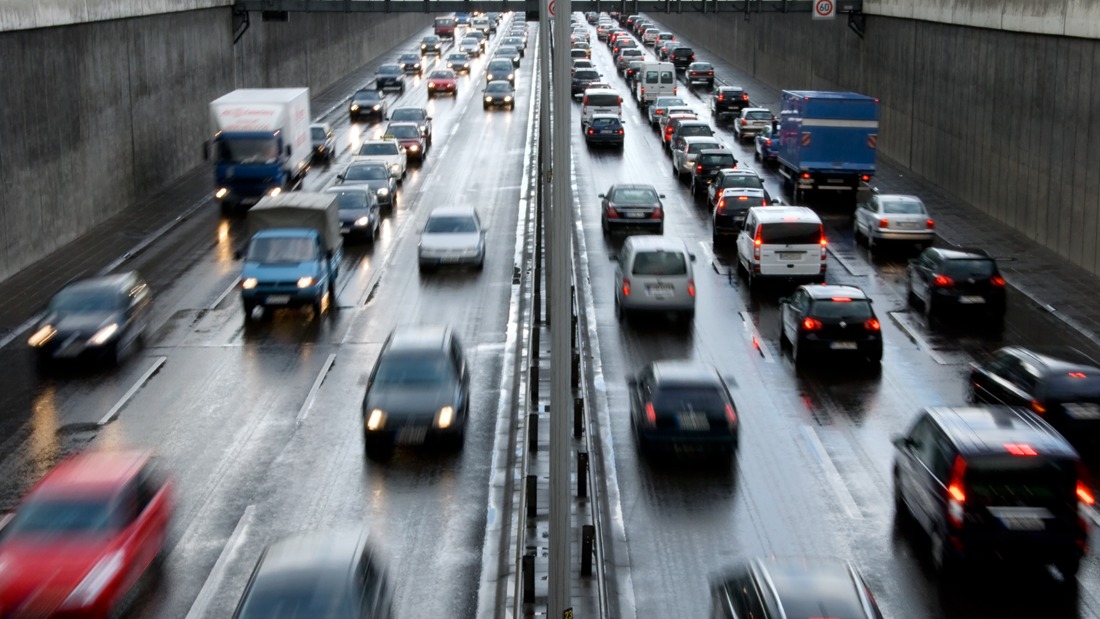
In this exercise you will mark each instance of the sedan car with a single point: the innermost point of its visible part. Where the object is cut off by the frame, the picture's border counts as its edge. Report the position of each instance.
(752, 121)
(368, 103)
(511, 53)
(888, 218)
(767, 144)
(416, 115)
(390, 76)
(706, 167)
(962, 281)
(632, 206)
(84, 535)
(431, 45)
(820, 321)
(323, 139)
(516, 42)
(418, 392)
(389, 152)
(326, 575)
(659, 107)
(781, 587)
(453, 235)
(604, 130)
(442, 81)
(470, 46)
(99, 318)
(500, 69)
(682, 408)
(459, 62)
(683, 158)
(499, 93)
(360, 214)
(734, 178)
(411, 64)
(410, 138)
(700, 73)
(374, 174)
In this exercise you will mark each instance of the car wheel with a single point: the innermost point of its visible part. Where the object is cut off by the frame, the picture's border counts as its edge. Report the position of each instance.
(902, 515)
(756, 155)
(249, 310)
(784, 343)
(875, 356)
(378, 448)
(318, 307)
(715, 240)
(1068, 569)
(485, 106)
(855, 231)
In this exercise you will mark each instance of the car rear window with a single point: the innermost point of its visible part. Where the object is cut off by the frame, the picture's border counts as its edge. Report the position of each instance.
(855, 309)
(719, 159)
(660, 263)
(587, 74)
(606, 123)
(695, 130)
(903, 207)
(667, 77)
(967, 268)
(602, 100)
(791, 233)
(1021, 480)
(759, 115)
(701, 399)
(1082, 386)
(744, 181)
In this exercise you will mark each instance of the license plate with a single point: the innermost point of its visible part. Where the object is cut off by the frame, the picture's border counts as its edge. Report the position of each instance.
(345, 229)
(278, 299)
(634, 215)
(971, 300)
(790, 255)
(450, 259)
(693, 421)
(659, 290)
(605, 131)
(1082, 410)
(1022, 518)
(906, 225)
(412, 435)
(843, 345)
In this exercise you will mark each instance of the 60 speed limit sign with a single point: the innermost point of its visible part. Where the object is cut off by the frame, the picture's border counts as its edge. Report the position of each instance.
(824, 9)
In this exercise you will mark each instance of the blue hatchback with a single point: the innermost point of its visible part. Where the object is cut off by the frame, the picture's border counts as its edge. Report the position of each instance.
(604, 130)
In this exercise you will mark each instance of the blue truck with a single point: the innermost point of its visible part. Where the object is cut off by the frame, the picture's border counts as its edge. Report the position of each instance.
(827, 141)
(293, 257)
(261, 144)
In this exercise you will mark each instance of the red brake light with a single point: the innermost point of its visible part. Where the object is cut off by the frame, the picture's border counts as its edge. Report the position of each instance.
(620, 131)
(1020, 449)
(721, 205)
(997, 281)
(744, 97)
(1038, 407)
(930, 224)
(626, 287)
(657, 213)
(811, 324)
(884, 223)
(691, 287)
(731, 416)
(650, 414)
(699, 168)
(742, 198)
(805, 175)
(1077, 375)
(768, 142)
(943, 281)
(841, 299)
(1085, 495)
(744, 122)
(957, 498)
(866, 178)
(721, 97)
(591, 132)
(872, 324)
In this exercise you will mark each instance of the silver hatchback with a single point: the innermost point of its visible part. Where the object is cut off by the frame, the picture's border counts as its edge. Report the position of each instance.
(655, 274)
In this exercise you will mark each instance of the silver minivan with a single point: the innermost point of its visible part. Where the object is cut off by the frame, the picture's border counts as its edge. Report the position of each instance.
(655, 274)
(782, 242)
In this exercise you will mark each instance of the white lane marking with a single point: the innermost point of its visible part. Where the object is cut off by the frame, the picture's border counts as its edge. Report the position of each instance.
(206, 594)
(308, 404)
(223, 295)
(831, 474)
(757, 339)
(900, 319)
(111, 414)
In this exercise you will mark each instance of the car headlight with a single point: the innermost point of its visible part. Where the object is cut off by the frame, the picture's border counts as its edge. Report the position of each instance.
(221, 193)
(384, 191)
(431, 84)
(95, 582)
(355, 107)
(249, 283)
(423, 47)
(104, 335)
(394, 167)
(488, 99)
(306, 282)
(275, 191)
(445, 417)
(42, 336)
(362, 221)
(414, 148)
(376, 108)
(511, 76)
(507, 99)
(376, 420)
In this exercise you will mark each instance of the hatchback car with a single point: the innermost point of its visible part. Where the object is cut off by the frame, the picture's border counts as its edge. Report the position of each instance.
(410, 64)
(516, 42)
(581, 80)
(453, 235)
(898, 218)
(726, 103)
(431, 46)
(994, 484)
(707, 165)
(827, 321)
(326, 575)
(681, 57)
(683, 158)
(389, 152)
(410, 138)
(499, 93)
(728, 215)
(390, 76)
(459, 62)
(374, 174)
(360, 214)
(367, 103)
(416, 115)
(766, 144)
(323, 139)
(781, 587)
(95, 319)
(470, 46)
(83, 536)
(418, 392)
(632, 206)
(682, 408)
(956, 280)
(659, 107)
(735, 178)
(442, 81)
(509, 52)
(1063, 391)
(500, 69)
(700, 73)
(752, 121)
(605, 130)
(655, 275)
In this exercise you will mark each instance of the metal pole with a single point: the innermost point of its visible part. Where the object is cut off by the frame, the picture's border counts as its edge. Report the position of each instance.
(561, 338)
(546, 149)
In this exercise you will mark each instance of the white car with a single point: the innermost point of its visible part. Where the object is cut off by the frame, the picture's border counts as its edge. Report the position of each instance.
(649, 37)
(752, 121)
(470, 46)
(683, 159)
(894, 218)
(388, 152)
(452, 235)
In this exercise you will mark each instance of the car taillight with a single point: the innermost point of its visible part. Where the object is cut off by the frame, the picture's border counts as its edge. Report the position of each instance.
(997, 281)
(620, 131)
(591, 132)
(884, 223)
(699, 167)
(811, 324)
(721, 97)
(731, 417)
(657, 213)
(744, 97)
(956, 498)
(866, 178)
(768, 142)
(930, 224)
(721, 205)
(1085, 495)
(1038, 407)
(943, 281)
(744, 122)
(806, 175)
(872, 324)
(674, 88)
(650, 414)
(691, 287)
(626, 287)
(824, 242)
(1020, 449)
(756, 246)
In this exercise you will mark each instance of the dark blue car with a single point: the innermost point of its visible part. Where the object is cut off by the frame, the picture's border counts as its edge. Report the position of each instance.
(604, 130)
(767, 144)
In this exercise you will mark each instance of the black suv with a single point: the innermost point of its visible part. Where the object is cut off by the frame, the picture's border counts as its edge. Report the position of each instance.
(418, 391)
(581, 79)
(681, 57)
(964, 280)
(1066, 393)
(792, 587)
(707, 165)
(829, 320)
(727, 102)
(995, 483)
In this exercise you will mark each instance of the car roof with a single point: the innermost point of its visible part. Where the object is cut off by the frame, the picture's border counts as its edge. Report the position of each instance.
(414, 338)
(114, 281)
(693, 122)
(829, 583)
(607, 117)
(600, 91)
(818, 291)
(770, 214)
(315, 556)
(92, 472)
(897, 197)
(683, 372)
(726, 88)
(1052, 364)
(716, 151)
(984, 430)
(756, 109)
(961, 253)
(739, 172)
(452, 211)
(349, 188)
(642, 242)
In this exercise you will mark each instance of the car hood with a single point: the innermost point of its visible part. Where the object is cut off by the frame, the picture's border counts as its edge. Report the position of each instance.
(412, 401)
(40, 575)
(82, 322)
(349, 215)
(450, 240)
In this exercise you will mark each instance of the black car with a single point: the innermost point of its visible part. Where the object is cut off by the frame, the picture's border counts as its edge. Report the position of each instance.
(632, 206)
(735, 178)
(418, 115)
(499, 93)
(992, 483)
(581, 79)
(375, 175)
(728, 216)
(323, 139)
(431, 45)
(683, 408)
(726, 102)
(630, 73)
(360, 213)
(957, 281)
(417, 393)
(604, 130)
(500, 69)
(367, 103)
(1062, 391)
(681, 57)
(781, 587)
(410, 64)
(700, 73)
(99, 318)
(826, 321)
(687, 127)
(331, 575)
(706, 167)
(390, 76)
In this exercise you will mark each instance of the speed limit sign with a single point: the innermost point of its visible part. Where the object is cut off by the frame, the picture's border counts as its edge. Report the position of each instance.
(824, 9)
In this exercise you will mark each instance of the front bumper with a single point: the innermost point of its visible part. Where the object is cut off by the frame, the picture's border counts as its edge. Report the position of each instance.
(283, 295)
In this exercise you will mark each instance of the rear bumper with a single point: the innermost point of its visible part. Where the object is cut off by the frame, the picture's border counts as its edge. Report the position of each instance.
(912, 236)
(1039, 548)
(864, 347)
(689, 444)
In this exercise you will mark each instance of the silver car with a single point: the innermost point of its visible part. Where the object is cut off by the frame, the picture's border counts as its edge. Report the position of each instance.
(684, 158)
(894, 218)
(655, 274)
(453, 235)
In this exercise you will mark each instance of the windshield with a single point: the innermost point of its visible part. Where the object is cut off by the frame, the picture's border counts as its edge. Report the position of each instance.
(458, 58)
(413, 58)
(856, 309)
(660, 263)
(441, 75)
(701, 66)
(744, 181)
(248, 150)
(450, 224)
(470, 41)
(605, 123)
(586, 74)
(413, 370)
(366, 173)
(642, 195)
(54, 517)
(1015, 480)
(501, 65)
(498, 86)
(86, 301)
(378, 148)
(669, 102)
(695, 130)
(408, 114)
(389, 69)
(791, 233)
(716, 159)
(351, 200)
(965, 269)
(318, 134)
(281, 250)
(404, 131)
(367, 95)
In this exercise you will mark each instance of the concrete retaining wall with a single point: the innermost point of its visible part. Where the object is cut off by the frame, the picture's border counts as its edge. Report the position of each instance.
(1074, 18)
(1006, 120)
(97, 116)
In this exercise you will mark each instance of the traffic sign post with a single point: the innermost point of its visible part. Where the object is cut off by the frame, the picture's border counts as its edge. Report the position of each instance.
(824, 9)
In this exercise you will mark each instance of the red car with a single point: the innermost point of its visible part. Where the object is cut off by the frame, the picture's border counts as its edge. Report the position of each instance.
(410, 138)
(83, 536)
(442, 80)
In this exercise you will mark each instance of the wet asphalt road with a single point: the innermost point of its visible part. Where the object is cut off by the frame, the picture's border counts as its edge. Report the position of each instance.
(260, 425)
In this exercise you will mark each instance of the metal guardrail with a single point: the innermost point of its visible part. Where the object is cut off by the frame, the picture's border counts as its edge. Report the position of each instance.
(533, 6)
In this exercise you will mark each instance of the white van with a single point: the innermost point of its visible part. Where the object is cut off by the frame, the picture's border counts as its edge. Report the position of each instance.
(782, 242)
(480, 23)
(655, 79)
(600, 101)
(655, 274)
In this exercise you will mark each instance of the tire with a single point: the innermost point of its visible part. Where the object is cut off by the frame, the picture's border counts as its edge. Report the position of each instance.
(800, 357)
(855, 231)
(875, 357)
(715, 239)
(318, 307)
(784, 343)
(930, 313)
(911, 297)
(756, 155)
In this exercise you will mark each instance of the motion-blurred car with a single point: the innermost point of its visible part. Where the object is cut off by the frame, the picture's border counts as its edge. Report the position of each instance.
(700, 73)
(500, 69)
(960, 281)
(390, 76)
(632, 206)
(418, 392)
(499, 93)
(323, 139)
(886, 218)
(83, 536)
(100, 318)
(410, 138)
(726, 103)
(819, 321)
(605, 130)
(367, 103)
(655, 275)
(442, 81)
(327, 575)
(388, 152)
(453, 235)
(374, 174)
(416, 115)
(682, 408)
(767, 144)
(431, 45)
(459, 62)
(777, 588)
(470, 46)
(410, 64)
(360, 213)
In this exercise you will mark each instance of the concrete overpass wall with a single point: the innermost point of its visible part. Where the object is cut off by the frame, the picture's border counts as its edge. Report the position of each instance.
(1007, 120)
(98, 115)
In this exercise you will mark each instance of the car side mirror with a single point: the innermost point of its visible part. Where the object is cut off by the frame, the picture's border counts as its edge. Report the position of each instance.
(632, 383)
(602, 195)
(902, 442)
(613, 257)
(340, 176)
(784, 300)
(660, 195)
(288, 151)
(692, 257)
(428, 118)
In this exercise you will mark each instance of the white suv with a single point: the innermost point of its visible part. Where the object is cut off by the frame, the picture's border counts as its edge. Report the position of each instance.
(752, 121)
